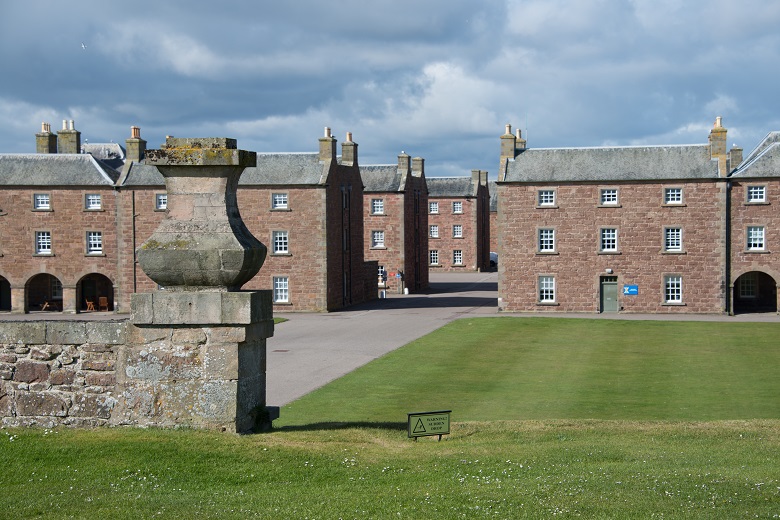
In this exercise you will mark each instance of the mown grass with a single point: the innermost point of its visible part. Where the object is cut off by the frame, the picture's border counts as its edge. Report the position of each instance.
(607, 420)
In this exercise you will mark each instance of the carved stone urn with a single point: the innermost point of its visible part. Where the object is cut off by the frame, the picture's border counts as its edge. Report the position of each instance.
(202, 244)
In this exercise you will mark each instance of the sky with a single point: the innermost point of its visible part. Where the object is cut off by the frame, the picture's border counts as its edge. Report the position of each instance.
(437, 79)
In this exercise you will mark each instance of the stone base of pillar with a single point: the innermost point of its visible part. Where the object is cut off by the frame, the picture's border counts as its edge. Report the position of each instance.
(196, 359)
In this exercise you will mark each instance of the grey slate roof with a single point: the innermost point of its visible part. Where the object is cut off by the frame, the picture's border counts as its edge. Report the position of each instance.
(54, 169)
(767, 141)
(451, 187)
(625, 163)
(110, 153)
(285, 169)
(381, 178)
(275, 169)
(765, 164)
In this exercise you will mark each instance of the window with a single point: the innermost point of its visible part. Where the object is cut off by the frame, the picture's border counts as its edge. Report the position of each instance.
(608, 240)
(457, 207)
(278, 201)
(377, 239)
(748, 285)
(161, 201)
(94, 242)
(672, 195)
(546, 198)
(41, 201)
(377, 206)
(457, 257)
(434, 232)
(43, 242)
(433, 207)
(433, 256)
(92, 201)
(609, 197)
(755, 238)
(756, 194)
(281, 289)
(673, 239)
(546, 289)
(56, 289)
(673, 289)
(546, 240)
(281, 241)
(457, 231)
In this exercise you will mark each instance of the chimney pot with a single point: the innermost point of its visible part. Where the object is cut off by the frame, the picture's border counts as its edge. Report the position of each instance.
(64, 124)
(135, 132)
(508, 129)
(719, 122)
(327, 131)
(349, 137)
(71, 125)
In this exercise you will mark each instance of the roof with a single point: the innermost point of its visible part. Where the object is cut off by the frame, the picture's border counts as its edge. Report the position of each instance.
(55, 169)
(768, 140)
(625, 163)
(381, 178)
(764, 163)
(140, 174)
(286, 169)
(110, 153)
(451, 187)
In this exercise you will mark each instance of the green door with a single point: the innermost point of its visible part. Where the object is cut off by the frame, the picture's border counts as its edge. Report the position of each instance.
(609, 294)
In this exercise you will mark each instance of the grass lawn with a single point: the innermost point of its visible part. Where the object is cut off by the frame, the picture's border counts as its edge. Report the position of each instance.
(552, 418)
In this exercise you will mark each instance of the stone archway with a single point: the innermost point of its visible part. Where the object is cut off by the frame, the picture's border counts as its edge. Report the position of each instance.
(95, 292)
(755, 291)
(43, 292)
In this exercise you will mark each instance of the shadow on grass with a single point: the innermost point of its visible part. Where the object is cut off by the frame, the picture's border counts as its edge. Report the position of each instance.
(330, 426)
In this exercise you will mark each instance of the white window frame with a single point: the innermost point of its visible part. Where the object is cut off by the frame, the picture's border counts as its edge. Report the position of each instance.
(434, 231)
(756, 194)
(433, 257)
(457, 207)
(94, 242)
(546, 289)
(433, 208)
(281, 288)
(608, 240)
(673, 239)
(377, 206)
(673, 289)
(42, 201)
(93, 202)
(281, 242)
(160, 201)
(756, 238)
(545, 240)
(457, 257)
(377, 238)
(457, 231)
(545, 198)
(43, 243)
(608, 197)
(673, 196)
(280, 200)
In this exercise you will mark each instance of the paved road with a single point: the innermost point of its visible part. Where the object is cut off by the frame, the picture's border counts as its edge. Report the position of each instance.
(310, 350)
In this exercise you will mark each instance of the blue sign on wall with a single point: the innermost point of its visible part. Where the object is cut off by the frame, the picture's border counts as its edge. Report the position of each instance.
(630, 290)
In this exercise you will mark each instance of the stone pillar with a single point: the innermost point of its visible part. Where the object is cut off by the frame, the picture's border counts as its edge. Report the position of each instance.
(69, 303)
(18, 301)
(196, 353)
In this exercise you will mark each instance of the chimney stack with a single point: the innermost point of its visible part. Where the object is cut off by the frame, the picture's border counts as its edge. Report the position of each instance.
(136, 147)
(327, 147)
(404, 164)
(519, 142)
(69, 140)
(718, 146)
(46, 141)
(418, 167)
(349, 151)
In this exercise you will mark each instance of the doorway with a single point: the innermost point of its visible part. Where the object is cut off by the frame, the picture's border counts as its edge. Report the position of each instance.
(609, 294)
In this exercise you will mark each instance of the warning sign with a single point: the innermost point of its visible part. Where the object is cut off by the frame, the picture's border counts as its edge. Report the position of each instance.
(422, 424)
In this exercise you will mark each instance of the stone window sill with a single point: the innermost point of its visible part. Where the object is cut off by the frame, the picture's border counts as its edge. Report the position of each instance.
(756, 251)
(607, 253)
(548, 304)
(378, 248)
(674, 205)
(665, 252)
(280, 254)
(94, 210)
(88, 255)
(547, 253)
(609, 206)
(673, 304)
(45, 255)
(280, 209)
(42, 210)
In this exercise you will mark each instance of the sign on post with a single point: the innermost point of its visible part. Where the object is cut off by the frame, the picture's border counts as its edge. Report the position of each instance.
(423, 424)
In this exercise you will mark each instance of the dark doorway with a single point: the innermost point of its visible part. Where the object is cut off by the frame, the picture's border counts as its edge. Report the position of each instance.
(44, 293)
(5, 295)
(96, 293)
(755, 292)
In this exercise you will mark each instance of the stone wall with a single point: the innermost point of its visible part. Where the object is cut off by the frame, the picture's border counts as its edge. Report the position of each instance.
(56, 373)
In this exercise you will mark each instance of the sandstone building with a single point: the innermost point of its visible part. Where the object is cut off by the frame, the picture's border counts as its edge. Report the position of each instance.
(659, 229)
(396, 223)
(458, 223)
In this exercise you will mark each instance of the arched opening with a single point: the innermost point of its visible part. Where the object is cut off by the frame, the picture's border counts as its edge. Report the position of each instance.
(5, 295)
(95, 293)
(755, 292)
(44, 293)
